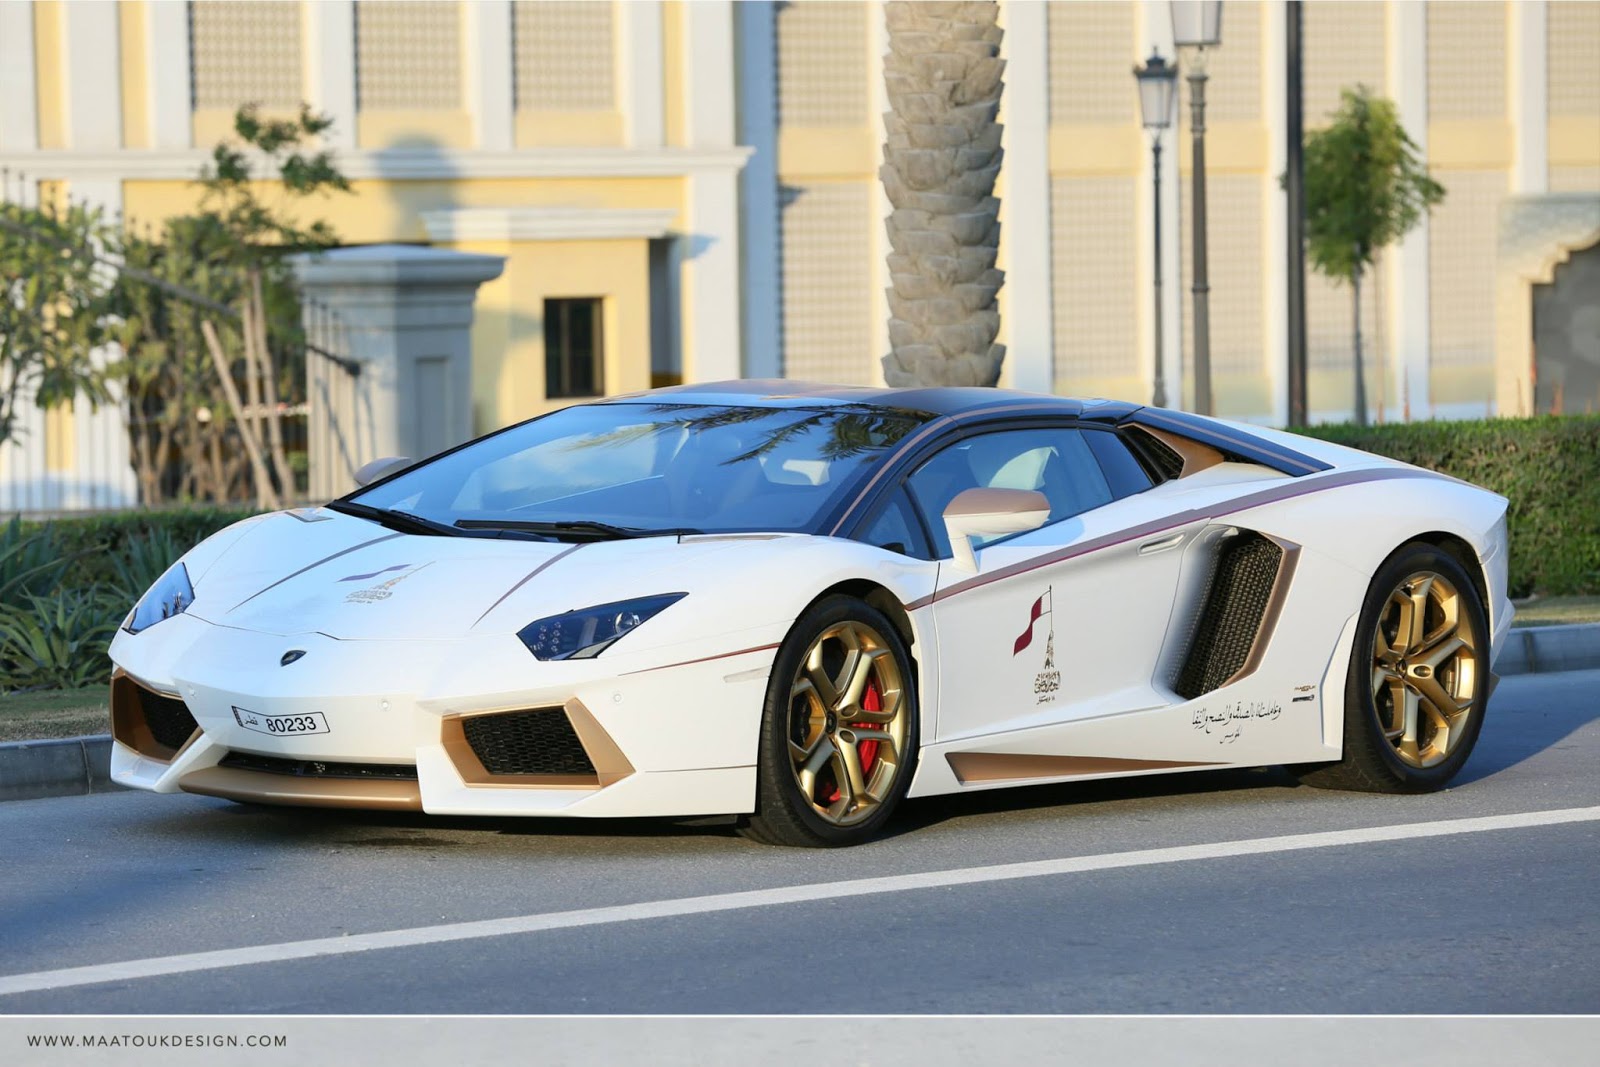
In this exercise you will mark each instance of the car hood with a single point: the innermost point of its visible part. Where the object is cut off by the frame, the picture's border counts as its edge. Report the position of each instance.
(354, 580)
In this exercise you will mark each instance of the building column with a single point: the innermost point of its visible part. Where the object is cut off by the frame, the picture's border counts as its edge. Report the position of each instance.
(1275, 85)
(641, 70)
(19, 128)
(1027, 230)
(92, 55)
(1527, 80)
(490, 89)
(712, 349)
(169, 73)
(330, 65)
(1410, 339)
(758, 128)
(98, 473)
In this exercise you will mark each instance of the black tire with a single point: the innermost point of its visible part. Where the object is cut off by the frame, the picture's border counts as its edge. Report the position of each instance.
(784, 815)
(1371, 762)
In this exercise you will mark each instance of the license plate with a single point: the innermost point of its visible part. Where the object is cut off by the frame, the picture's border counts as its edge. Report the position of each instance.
(282, 725)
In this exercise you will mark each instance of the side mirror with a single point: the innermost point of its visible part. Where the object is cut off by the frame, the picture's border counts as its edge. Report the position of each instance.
(988, 513)
(380, 468)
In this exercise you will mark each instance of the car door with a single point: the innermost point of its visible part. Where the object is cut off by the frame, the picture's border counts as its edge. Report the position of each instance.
(1065, 621)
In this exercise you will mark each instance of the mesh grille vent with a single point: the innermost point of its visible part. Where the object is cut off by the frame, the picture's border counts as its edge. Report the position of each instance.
(1230, 614)
(527, 742)
(169, 719)
(1166, 462)
(244, 761)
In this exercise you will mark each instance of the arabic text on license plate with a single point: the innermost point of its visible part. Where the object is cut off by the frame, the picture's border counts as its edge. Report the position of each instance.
(282, 725)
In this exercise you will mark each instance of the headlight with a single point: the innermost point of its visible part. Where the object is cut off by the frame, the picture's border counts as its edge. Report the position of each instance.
(587, 633)
(171, 595)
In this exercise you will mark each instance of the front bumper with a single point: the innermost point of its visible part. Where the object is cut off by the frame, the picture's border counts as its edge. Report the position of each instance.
(670, 733)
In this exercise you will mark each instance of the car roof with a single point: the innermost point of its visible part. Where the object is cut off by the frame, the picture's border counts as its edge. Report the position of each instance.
(942, 400)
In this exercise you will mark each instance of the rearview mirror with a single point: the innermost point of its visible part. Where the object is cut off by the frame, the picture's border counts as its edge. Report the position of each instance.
(380, 468)
(989, 513)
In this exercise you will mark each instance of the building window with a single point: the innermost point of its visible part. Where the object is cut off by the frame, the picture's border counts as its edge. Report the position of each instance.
(572, 348)
(562, 55)
(244, 53)
(408, 55)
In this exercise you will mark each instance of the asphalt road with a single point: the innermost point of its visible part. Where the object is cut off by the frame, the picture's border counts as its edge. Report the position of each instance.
(1504, 920)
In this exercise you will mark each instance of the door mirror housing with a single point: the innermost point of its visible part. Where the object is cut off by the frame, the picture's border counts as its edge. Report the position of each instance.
(990, 513)
(380, 468)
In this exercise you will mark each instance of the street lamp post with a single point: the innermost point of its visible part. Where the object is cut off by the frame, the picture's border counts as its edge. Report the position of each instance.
(1196, 26)
(1158, 81)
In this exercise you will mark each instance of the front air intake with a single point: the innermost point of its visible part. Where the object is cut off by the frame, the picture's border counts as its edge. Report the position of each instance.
(1233, 609)
(556, 747)
(527, 742)
(155, 725)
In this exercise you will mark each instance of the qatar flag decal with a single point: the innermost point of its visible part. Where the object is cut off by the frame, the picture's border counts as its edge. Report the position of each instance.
(1040, 607)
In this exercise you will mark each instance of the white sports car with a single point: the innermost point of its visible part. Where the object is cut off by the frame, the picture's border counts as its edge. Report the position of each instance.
(798, 604)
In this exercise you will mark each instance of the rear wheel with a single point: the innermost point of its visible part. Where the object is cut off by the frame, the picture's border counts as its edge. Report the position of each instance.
(839, 731)
(1418, 679)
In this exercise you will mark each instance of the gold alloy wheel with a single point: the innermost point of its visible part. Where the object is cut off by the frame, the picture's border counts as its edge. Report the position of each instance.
(848, 720)
(1424, 668)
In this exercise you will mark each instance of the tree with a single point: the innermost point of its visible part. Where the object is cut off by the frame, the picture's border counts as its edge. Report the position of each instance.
(943, 73)
(1365, 188)
(209, 320)
(52, 302)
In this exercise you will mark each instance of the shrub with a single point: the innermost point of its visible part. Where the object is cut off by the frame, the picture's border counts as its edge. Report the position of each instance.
(30, 561)
(56, 641)
(120, 547)
(65, 585)
(1548, 467)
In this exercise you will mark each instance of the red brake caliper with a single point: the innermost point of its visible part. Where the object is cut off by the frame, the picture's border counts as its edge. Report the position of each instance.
(871, 700)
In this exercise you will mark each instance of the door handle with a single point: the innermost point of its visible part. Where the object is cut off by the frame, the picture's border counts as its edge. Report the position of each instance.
(1160, 544)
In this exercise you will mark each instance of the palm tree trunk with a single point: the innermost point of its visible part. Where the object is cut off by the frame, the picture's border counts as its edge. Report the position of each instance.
(1361, 377)
(940, 158)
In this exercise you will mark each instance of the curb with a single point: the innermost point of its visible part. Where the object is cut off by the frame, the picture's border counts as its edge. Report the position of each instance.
(68, 767)
(1548, 649)
(76, 766)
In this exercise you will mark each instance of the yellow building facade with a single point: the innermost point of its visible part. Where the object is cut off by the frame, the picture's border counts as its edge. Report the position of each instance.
(707, 171)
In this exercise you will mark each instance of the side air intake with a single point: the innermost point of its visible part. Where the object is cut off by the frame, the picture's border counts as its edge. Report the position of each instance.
(1248, 570)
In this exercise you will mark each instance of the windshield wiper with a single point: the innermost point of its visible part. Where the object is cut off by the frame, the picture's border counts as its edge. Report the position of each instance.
(599, 531)
(399, 521)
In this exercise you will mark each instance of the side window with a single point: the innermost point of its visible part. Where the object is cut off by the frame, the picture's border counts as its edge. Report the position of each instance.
(1056, 462)
(1123, 472)
(897, 528)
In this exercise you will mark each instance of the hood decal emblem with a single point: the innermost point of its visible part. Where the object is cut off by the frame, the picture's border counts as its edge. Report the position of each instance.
(374, 574)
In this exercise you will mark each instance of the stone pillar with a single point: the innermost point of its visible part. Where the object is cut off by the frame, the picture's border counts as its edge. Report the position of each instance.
(394, 377)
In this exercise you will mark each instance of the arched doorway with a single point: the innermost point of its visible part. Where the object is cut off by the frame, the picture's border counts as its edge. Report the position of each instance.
(1566, 336)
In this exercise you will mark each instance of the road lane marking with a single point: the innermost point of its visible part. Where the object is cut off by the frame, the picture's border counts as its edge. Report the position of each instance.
(759, 898)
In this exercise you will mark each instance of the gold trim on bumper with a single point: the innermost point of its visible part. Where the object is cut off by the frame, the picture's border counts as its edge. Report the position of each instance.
(261, 787)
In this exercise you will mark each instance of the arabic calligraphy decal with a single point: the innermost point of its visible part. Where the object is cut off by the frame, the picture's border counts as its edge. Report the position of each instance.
(1047, 683)
(1227, 724)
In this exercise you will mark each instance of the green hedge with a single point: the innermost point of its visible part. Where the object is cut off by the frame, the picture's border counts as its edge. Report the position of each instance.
(105, 539)
(1548, 467)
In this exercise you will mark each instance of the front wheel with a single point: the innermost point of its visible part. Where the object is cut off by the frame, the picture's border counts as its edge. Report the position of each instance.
(1418, 680)
(839, 729)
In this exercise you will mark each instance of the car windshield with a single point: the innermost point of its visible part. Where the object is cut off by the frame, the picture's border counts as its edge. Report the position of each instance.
(622, 469)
